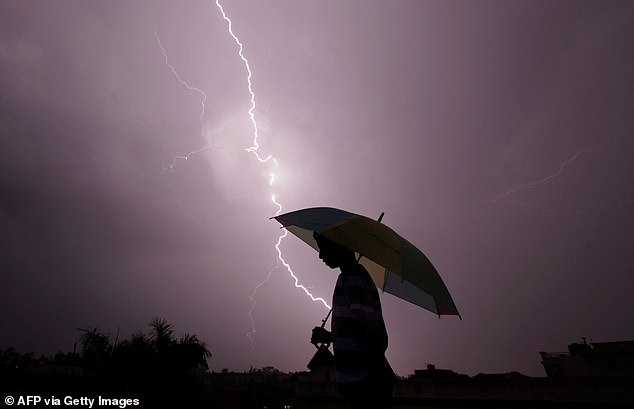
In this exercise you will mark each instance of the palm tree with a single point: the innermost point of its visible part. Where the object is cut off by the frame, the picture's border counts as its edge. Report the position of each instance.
(162, 336)
(135, 355)
(95, 346)
(191, 353)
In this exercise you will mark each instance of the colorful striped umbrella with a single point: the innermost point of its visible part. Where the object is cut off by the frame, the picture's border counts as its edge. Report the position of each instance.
(396, 266)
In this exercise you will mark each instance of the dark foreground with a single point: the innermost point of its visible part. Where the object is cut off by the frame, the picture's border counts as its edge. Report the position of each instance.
(273, 389)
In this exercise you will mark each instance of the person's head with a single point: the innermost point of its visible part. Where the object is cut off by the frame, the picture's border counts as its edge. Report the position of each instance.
(333, 254)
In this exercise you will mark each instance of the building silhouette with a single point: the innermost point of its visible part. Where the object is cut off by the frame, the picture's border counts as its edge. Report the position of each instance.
(597, 375)
(595, 359)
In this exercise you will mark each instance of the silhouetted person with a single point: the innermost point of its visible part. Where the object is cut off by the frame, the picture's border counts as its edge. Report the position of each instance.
(364, 377)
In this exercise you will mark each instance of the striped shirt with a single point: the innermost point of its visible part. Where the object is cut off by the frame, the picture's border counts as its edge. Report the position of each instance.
(360, 337)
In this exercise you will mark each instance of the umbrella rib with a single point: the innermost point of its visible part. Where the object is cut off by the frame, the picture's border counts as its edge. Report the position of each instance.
(383, 242)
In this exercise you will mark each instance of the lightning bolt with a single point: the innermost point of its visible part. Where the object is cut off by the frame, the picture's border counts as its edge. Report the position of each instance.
(560, 170)
(548, 178)
(203, 100)
(254, 149)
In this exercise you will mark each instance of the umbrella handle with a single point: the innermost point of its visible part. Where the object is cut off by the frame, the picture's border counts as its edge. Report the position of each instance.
(323, 322)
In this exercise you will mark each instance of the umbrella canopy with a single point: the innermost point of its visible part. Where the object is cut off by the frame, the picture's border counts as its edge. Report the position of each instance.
(395, 265)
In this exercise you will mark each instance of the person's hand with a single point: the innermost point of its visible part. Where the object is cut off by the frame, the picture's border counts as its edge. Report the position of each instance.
(320, 336)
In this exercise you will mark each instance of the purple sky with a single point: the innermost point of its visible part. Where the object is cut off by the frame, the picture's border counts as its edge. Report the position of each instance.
(495, 135)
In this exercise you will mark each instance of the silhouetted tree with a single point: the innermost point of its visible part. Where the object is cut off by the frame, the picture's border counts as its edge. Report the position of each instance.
(134, 357)
(11, 360)
(158, 368)
(191, 353)
(68, 358)
(160, 353)
(162, 336)
(95, 347)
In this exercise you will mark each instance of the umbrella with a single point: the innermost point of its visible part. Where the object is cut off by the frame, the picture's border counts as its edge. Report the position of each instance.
(396, 266)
